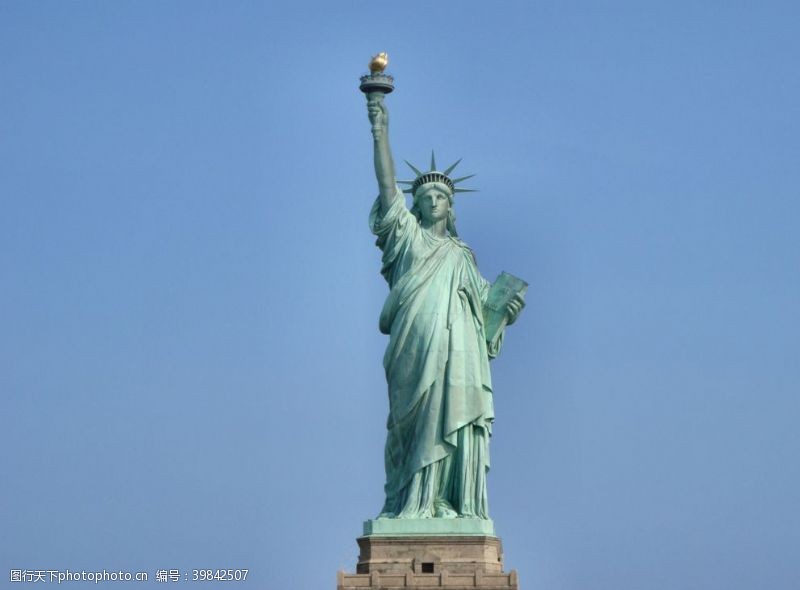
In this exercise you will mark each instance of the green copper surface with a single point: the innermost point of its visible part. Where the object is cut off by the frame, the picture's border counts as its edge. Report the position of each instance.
(392, 527)
(437, 359)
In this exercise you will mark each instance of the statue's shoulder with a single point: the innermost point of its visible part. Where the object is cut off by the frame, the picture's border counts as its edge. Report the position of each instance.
(467, 251)
(460, 243)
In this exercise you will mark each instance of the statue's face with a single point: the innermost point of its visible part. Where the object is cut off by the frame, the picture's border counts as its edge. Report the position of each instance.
(433, 201)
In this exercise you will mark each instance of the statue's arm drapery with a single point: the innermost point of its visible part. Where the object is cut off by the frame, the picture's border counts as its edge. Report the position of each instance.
(393, 227)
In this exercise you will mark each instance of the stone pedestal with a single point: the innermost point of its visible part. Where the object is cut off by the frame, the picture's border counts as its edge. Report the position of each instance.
(456, 562)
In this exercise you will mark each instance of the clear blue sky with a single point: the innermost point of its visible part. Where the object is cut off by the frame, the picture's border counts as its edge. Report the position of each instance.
(190, 366)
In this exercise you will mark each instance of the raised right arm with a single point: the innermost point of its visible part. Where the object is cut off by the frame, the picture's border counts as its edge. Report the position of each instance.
(384, 164)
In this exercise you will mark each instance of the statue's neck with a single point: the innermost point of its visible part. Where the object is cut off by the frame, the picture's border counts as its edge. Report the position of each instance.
(437, 228)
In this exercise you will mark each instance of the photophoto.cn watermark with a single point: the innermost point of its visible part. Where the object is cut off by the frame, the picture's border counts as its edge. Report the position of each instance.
(161, 575)
(59, 576)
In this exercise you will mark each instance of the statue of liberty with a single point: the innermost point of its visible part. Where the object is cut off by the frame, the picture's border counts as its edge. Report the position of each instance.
(437, 358)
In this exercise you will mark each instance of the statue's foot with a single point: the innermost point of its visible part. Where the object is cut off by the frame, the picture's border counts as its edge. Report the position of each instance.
(427, 513)
(385, 515)
(444, 509)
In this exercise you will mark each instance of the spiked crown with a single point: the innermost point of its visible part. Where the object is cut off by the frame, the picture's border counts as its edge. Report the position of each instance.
(433, 175)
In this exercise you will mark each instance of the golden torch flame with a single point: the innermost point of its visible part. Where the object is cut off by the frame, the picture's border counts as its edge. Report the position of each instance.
(379, 62)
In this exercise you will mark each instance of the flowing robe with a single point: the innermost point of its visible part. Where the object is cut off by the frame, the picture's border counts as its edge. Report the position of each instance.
(437, 370)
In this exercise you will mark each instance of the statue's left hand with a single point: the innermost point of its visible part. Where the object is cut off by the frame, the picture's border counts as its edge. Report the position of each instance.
(514, 308)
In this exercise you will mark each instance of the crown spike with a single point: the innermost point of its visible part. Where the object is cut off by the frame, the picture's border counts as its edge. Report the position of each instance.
(465, 190)
(451, 168)
(457, 180)
(433, 161)
(416, 171)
